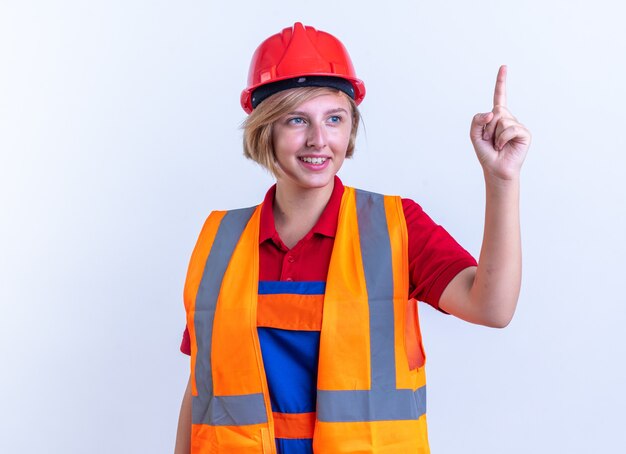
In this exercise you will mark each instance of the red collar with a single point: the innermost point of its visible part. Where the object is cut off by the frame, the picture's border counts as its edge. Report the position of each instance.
(326, 225)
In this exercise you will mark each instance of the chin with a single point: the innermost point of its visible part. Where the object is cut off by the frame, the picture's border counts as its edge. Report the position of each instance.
(316, 183)
(311, 182)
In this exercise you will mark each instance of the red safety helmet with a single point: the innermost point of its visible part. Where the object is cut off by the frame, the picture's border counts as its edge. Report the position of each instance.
(291, 57)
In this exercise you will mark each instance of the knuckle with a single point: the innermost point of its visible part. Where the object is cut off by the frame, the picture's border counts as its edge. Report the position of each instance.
(504, 112)
(512, 123)
(513, 128)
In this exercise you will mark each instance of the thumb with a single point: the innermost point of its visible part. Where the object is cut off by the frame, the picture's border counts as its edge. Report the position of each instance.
(479, 120)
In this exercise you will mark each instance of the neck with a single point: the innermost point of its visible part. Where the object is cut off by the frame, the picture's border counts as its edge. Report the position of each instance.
(292, 202)
(296, 209)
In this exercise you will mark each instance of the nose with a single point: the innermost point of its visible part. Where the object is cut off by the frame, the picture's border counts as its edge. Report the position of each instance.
(316, 137)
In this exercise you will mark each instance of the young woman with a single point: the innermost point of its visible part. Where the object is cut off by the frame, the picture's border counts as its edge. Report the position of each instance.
(301, 312)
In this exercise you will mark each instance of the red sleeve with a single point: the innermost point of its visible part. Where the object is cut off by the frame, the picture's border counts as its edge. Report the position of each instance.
(435, 258)
(185, 345)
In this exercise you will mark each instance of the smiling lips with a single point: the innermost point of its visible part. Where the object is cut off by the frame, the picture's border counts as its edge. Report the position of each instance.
(315, 161)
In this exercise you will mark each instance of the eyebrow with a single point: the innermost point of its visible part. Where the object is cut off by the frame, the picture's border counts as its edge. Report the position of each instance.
(331, 111)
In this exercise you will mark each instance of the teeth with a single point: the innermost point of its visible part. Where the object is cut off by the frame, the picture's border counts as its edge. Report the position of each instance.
(314, 160)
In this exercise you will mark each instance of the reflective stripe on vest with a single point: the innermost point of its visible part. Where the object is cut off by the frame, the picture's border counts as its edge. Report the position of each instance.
(383, 401)
(207, 408)
(363, 376)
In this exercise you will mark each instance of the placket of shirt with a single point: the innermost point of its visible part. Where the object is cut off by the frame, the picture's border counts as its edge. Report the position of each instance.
(287, 271)
(292, 257)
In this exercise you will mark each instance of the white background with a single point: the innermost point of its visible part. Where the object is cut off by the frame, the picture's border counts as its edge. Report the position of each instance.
(119, 132)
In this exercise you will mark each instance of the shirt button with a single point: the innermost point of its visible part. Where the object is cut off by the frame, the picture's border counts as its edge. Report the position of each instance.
(289, 279)
(291, 259)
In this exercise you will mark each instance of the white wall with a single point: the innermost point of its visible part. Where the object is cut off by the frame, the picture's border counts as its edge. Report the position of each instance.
(119, 133)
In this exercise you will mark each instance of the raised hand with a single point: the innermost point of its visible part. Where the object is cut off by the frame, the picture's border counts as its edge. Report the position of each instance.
(488, 294)
(500, 141)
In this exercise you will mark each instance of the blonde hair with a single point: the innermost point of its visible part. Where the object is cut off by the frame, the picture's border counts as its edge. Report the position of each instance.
(258, 127)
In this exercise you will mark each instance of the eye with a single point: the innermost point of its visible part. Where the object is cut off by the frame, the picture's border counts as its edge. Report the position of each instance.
(335, 119)
(295, 121)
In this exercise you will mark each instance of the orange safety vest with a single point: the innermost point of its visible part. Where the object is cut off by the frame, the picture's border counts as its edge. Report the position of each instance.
(371, 388)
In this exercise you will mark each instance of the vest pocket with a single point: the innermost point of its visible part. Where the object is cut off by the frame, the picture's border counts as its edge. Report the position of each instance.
(413, 336)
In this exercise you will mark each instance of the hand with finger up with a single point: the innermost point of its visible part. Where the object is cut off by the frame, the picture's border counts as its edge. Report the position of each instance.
(499, 139)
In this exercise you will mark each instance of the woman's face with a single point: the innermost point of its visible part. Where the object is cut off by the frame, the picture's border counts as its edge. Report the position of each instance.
(310, 142)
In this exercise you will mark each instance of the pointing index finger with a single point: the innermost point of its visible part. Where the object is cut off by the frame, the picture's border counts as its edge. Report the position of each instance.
(499, 95)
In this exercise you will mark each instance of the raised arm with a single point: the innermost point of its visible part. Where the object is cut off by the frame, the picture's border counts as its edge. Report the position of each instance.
(488, 294)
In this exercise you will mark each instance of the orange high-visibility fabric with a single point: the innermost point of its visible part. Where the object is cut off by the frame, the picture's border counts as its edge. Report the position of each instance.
(344, 360)
(194, 275)
(413, 337)
(252, 439)
(379, 437)
(294, 425)
(237, 367)
(293, 312)
(345, 321)
(236, 355)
